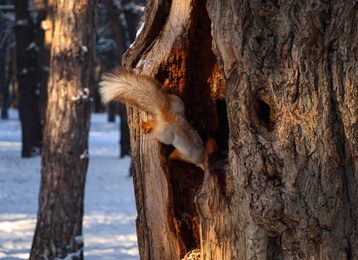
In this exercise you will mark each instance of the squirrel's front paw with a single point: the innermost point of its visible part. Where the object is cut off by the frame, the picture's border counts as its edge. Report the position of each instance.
(147, 127)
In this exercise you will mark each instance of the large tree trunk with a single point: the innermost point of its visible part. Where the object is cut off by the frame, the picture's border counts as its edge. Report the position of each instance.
(287, 187)
(65, 152)
(291, 91)
(168, 221)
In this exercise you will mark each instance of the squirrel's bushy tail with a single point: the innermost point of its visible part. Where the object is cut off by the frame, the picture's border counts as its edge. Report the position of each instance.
(139, 91)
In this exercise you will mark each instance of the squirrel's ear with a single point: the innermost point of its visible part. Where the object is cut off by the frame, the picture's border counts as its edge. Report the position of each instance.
(166, 85)
(211, 146)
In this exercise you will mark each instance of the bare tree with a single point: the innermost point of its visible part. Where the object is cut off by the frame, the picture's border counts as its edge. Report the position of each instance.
(28, 45)
(7, 62)
(276, 82)
(65, 152)
(124, 17)
(3, 86)
(44, 10)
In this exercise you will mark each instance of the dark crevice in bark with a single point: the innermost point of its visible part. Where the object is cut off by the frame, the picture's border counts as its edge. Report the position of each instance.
(205, 116)
(185, 182)
(274, 248)
(263, 112)
(297, 85)
(144, 243)
(262, 115)
(336, 91)
(222, 134)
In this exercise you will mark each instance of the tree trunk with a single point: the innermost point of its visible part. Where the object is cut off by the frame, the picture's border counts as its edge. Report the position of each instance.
(124, 25)
(4, 88)
(284, 182)
(119, 27)
(118, 24)
(65, 153)
(44, 10)
(168, 221)
(291, 91)
(29, 90)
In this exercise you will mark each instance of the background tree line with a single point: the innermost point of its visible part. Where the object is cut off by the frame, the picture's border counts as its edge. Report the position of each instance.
(25, 63)
(52, 55)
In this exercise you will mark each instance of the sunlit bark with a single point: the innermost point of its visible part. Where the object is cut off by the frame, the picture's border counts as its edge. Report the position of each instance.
(65, 153)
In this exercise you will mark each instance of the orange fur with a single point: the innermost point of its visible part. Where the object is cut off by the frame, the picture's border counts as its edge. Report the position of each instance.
(175, 155)
(147, 126)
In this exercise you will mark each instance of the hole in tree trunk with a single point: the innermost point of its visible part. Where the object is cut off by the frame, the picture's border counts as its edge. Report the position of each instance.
(274, 248)
(264, 111)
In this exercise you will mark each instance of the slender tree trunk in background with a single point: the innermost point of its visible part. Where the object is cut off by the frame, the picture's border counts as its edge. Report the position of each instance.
(288, 187)
(65, 153)
(133, 18)
(123, 34)
(119, 24)
(3, 87)
(12, 77)
(8, 58)
(29, 90)
(124, 132)
(133, 11)
(121, 37)
(44, 10)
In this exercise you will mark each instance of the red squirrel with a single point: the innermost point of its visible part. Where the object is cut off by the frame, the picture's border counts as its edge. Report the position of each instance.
(169, 125)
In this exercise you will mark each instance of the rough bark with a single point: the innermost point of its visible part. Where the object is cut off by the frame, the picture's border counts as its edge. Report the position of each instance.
(291, 95)
(65, 153)
(168, 222)
(288, 188)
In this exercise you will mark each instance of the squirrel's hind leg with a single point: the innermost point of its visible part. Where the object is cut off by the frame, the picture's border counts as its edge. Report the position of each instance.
(175, 155)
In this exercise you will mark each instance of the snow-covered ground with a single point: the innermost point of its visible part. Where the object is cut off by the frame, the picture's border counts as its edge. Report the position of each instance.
(109, 221)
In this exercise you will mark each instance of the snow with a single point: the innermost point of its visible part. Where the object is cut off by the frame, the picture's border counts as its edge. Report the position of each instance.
(24, 71)
(32, 11)
(22, 22)
(109, 221)
(32, 46)
(82, 95)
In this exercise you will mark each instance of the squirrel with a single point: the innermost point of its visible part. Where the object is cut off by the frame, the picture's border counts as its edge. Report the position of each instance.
(169, 125)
